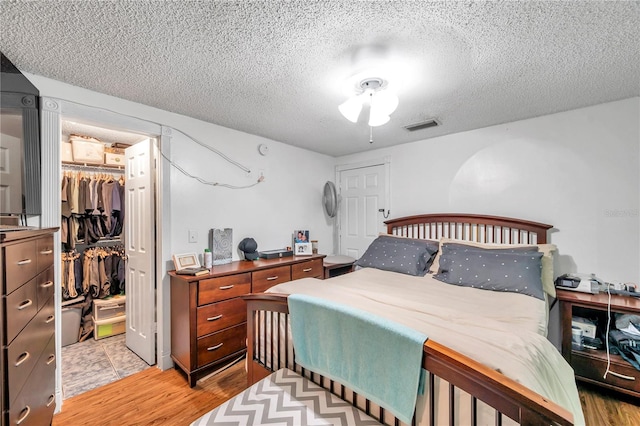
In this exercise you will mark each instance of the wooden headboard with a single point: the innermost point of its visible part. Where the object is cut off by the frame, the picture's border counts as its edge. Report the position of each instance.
(469, 227)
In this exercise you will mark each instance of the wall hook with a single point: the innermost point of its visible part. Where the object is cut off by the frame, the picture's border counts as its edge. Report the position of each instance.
(386, 216)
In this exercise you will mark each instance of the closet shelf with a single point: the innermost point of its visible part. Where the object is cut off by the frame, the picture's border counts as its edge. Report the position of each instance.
(68, 165)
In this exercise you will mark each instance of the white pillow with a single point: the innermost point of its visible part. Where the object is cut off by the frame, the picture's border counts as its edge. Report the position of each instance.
(547, 251)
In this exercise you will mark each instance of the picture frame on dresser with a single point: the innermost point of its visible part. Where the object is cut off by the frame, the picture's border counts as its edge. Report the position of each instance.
(303, 249)
(186, 260)
(301, 236)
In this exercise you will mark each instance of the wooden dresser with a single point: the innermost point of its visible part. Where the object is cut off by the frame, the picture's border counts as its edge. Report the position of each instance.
(27, 358)
(208, 318)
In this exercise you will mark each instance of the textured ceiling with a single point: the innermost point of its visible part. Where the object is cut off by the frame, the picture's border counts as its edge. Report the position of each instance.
(277, 68)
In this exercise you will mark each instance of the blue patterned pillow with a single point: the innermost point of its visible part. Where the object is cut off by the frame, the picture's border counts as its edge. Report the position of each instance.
(404, 255)
(516, 270)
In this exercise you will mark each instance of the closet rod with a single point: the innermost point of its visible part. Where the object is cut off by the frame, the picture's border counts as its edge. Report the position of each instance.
(102, 242)
(90, 168)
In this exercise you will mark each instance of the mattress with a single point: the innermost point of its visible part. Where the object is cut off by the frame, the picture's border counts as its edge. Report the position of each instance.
(285, 398)
(504, 331)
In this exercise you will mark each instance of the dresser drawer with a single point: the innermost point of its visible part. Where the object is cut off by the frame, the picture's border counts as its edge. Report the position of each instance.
(44, 286)
(221, 344)
(594, 368)
(23, 353)
(21, 306)
(36, 402)
(216, 289)
(21, 264)
(44, 252)
(267, 278)
(312, 268)
(218, 316)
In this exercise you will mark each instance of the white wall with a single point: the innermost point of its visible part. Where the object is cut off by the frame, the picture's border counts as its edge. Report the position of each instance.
(577, 170)
(288, 199)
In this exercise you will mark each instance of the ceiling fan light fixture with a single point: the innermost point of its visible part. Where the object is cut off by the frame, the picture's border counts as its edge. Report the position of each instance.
(386, 101)
(378, 113)
(351, 108)
(383, 102)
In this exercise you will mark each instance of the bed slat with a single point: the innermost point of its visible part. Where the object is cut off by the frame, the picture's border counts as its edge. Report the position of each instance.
(432, 400)
(478, 228)
(474, 411)
(452, 405)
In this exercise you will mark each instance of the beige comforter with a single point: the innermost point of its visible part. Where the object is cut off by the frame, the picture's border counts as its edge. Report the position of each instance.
(505, 331)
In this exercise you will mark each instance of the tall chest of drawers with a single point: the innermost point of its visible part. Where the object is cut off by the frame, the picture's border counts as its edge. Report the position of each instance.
(208, 317)
(27, 358)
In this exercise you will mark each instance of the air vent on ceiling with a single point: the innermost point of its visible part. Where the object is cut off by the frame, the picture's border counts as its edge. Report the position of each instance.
(422, 125)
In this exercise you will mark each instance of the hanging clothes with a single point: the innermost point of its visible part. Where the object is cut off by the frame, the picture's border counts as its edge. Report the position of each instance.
(71, 275)
(103, 271)
(92, 208)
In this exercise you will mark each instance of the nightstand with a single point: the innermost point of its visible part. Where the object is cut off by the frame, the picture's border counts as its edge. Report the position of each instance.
(337, 265)
(590, 364)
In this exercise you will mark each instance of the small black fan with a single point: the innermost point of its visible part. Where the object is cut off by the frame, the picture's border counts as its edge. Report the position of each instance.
(330, 199)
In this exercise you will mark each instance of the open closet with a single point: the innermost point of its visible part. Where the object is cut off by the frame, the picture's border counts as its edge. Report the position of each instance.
(93, 270)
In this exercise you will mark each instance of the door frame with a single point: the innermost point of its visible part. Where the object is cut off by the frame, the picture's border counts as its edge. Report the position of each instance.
(53, 110)
(384, 161)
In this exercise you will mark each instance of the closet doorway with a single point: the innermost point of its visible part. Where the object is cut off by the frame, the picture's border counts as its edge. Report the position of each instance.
(107, 281)
(143, 321)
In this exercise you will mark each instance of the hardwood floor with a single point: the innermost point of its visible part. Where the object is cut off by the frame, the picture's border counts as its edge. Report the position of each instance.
(155, 397)
(604, 408)
(152, 397)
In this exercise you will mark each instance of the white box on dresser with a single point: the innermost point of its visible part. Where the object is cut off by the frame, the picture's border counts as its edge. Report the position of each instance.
(27, 355)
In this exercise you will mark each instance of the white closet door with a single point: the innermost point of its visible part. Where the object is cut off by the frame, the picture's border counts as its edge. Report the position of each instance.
(363, 193)
(139, 229)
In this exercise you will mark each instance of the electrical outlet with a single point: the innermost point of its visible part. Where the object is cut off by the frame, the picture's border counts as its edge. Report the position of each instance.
(193, 236)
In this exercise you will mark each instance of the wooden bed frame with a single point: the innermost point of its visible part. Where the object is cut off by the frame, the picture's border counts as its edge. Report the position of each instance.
(506, 396)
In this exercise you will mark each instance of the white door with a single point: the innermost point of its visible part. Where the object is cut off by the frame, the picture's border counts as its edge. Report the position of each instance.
(11, 164)
(363, 193)
(140, 249)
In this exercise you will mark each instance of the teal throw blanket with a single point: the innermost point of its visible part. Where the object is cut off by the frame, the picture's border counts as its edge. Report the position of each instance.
(377, 358)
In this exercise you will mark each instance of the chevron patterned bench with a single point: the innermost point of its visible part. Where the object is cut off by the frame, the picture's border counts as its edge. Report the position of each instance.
(285, 398)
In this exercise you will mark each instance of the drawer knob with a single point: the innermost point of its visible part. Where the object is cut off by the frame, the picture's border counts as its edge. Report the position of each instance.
(24, 262)
(272, 278)
(622, 376)
(49, 319)
(307, 269)
(25, 304)
(51, 400)
(217, 317)
(49, 251)
(213, 348)
(51, 358)
(46, 284)
(22, 358)
(23, 415)
(226, 287)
